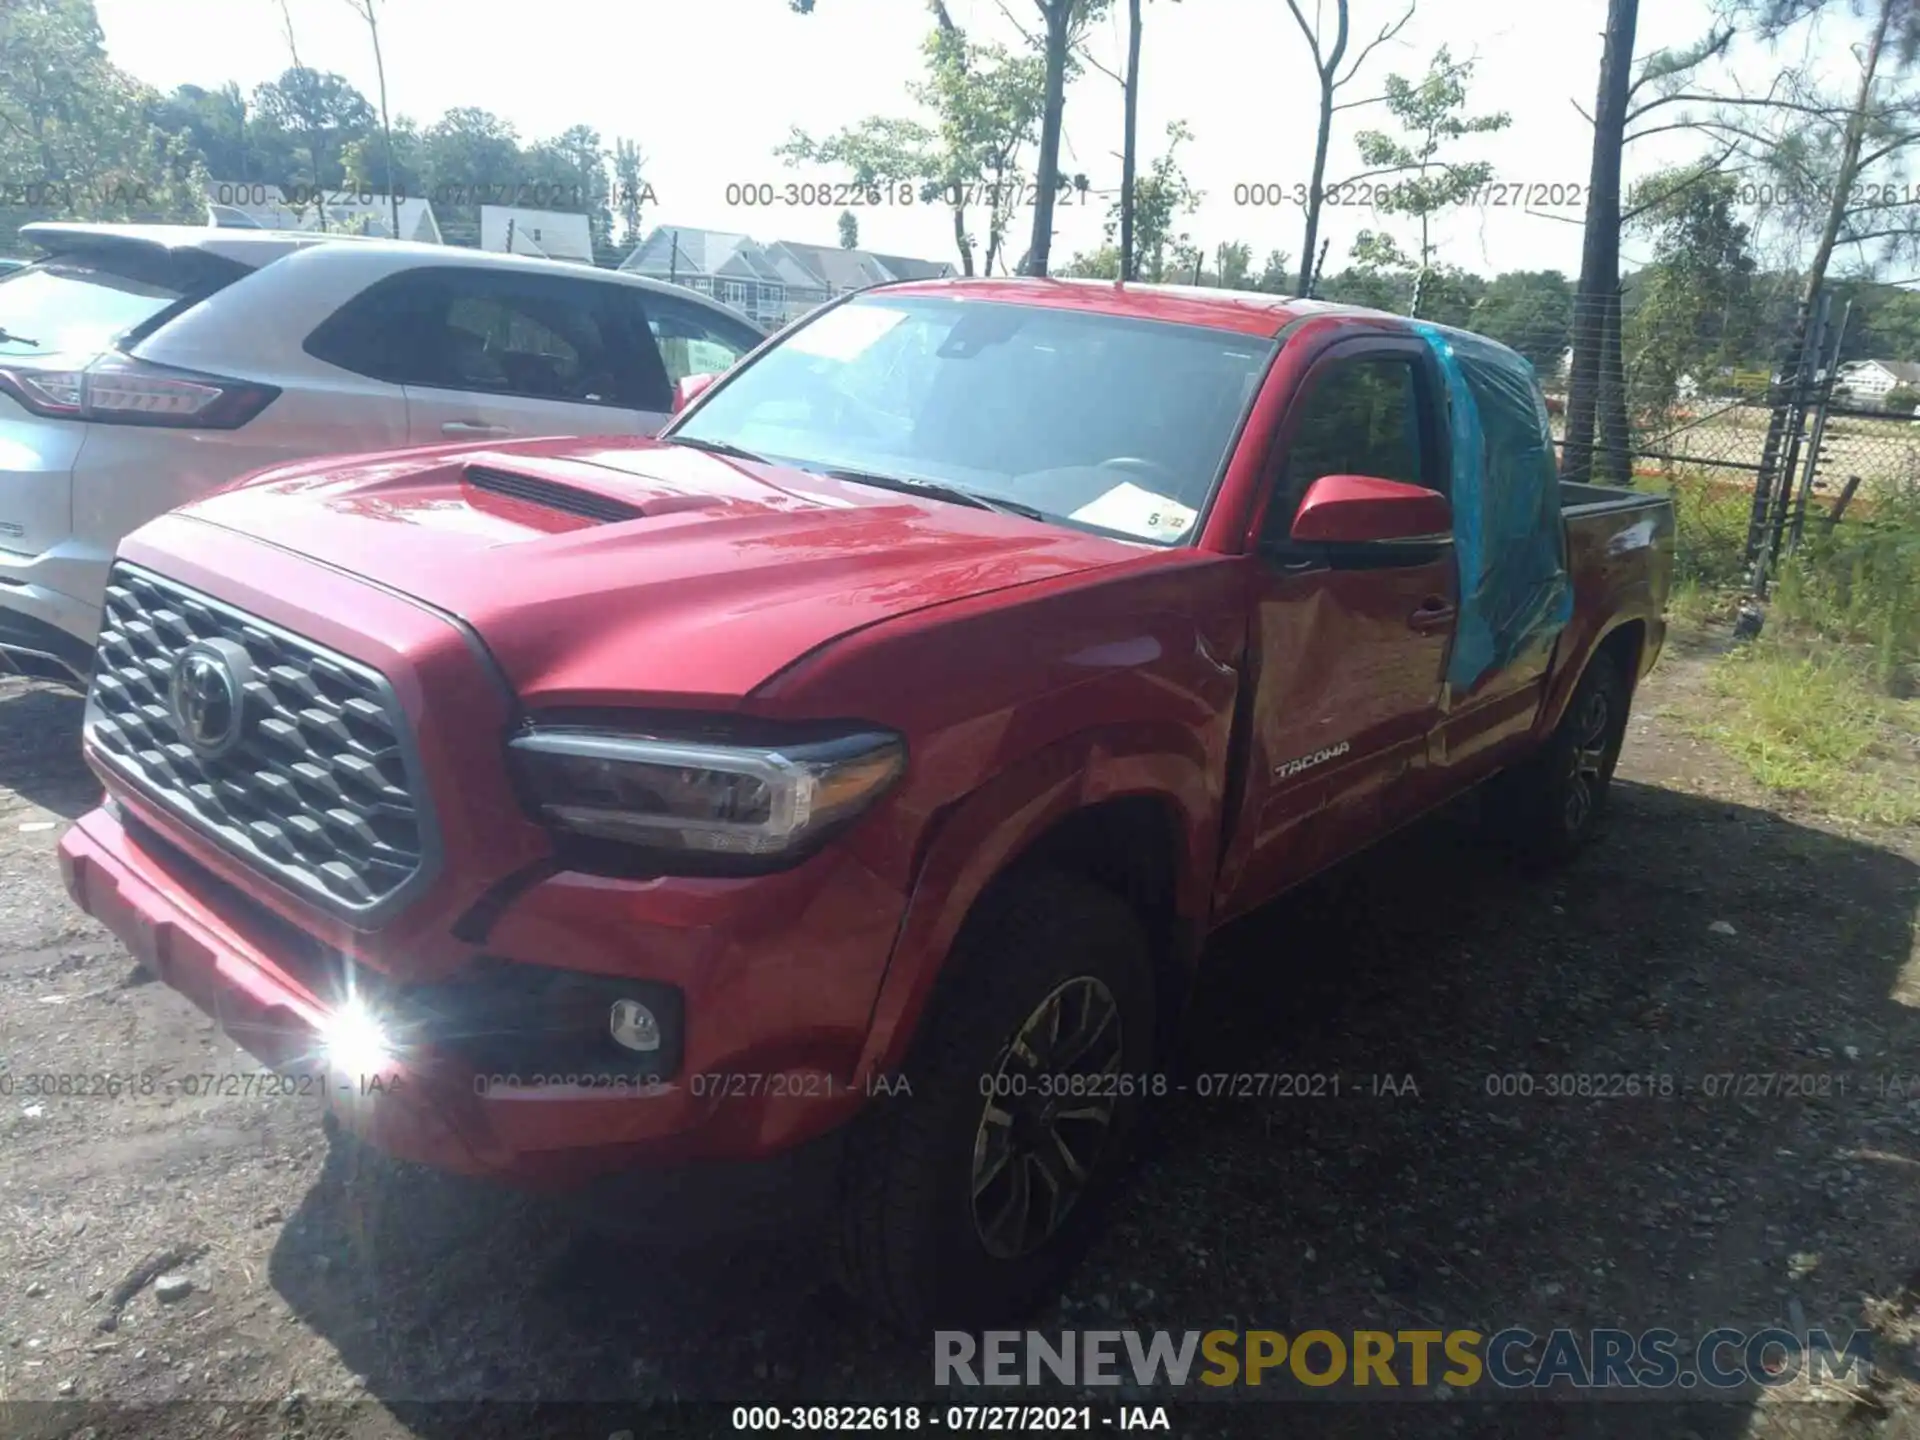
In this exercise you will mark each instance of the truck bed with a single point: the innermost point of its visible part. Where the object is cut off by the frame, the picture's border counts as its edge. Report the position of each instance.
(1578, 500)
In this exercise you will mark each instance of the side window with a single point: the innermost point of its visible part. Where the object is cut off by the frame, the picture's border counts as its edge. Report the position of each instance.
(693, 341)
(492, 332)
(1363, 417)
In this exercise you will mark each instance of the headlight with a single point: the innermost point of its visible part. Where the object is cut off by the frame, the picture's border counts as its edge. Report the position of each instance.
(751, 802)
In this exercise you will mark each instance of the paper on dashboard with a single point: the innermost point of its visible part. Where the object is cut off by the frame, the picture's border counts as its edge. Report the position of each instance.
(1134, 511)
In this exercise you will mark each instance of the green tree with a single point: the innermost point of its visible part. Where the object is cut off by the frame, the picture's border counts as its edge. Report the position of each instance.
(1531, 311)
(1839, 151)
(1276, 274)
(1886, 324)
(630, 186)
(1901, 399)
(1235, 262)
(1692, 303)
(985, 103)
(218, 125)
(1432, 119)
(396, 152)
(1161, 198)
(1100, 263)
(76, 133)
(467, 154)
(569, 172)
(1165, 253)
(1333, 73)
(324, 110)
(849, 230)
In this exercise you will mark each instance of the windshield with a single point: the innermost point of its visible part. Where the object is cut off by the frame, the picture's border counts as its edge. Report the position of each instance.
(1107, 423)
(64, 306)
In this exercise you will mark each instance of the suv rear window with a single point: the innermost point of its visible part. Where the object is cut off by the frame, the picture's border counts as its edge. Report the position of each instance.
(84, 304)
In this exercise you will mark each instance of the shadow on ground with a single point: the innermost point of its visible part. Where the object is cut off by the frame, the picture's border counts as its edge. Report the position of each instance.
(1434, 961)
(40, 748)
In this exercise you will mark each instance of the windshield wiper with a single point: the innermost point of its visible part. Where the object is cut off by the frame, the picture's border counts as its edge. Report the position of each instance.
(715, 447)
(936, 490)
(7, 337)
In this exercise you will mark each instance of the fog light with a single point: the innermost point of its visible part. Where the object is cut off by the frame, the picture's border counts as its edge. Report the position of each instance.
(356, 1042)
(633, 1027)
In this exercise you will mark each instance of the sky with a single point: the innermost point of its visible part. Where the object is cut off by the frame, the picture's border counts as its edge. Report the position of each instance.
(708, 89)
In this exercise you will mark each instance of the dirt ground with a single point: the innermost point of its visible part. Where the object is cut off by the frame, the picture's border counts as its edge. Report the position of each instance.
(1711, 933)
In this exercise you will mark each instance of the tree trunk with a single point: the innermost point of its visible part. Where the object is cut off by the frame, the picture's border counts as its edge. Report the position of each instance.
(1328, 70)
(386, 125)
(1616, 452)
(1314, 197)
(1783, 392)
(1059, 15)
(960, 240)
(1600, 249)
(1129, 154)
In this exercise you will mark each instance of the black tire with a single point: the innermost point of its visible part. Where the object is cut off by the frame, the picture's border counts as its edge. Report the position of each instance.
(909, 1245)
(1550, 807)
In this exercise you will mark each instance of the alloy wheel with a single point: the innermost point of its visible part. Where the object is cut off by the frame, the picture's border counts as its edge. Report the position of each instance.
(1047, 1117)
(1587, 761)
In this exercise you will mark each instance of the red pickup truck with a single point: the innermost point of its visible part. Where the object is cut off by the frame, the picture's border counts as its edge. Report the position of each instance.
(865, 760)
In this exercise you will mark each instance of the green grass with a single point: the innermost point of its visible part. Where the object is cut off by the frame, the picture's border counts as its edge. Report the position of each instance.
(1811, 723)
(1860, 586)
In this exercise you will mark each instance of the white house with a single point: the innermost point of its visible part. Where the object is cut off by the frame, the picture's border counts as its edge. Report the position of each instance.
(775, 283)
(246, 204)
(548, 234)
(1869, 381)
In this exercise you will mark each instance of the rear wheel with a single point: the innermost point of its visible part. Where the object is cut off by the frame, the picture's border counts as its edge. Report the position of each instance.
(1552, 804)
(965, 1201)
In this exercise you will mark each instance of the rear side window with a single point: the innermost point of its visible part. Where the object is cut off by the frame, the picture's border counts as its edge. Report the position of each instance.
(536, 336)
(76, 306)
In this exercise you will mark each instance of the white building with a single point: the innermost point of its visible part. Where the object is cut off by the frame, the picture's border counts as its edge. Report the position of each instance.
(547, 234)
(1869, 381)
(246, 204)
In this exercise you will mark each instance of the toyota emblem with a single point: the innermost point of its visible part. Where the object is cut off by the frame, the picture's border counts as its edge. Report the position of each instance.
(208, 695)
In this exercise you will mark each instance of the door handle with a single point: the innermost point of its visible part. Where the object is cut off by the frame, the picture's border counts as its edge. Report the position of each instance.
(1433, 614)
(473, 429)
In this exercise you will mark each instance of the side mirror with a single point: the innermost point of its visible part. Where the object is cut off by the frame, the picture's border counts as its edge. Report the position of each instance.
(688, 390)
(1359, 509)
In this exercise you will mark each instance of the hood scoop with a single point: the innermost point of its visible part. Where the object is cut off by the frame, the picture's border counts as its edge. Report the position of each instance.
(552, 495)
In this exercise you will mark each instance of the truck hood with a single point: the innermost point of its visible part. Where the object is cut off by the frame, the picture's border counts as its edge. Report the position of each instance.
(600, 570)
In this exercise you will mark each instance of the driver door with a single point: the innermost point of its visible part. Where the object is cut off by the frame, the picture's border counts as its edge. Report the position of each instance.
(1349, 651)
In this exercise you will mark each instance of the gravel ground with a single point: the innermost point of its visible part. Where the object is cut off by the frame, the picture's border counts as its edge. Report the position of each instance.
(1710, 933)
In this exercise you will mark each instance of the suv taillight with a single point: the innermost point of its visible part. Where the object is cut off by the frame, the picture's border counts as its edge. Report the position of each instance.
(119, 390)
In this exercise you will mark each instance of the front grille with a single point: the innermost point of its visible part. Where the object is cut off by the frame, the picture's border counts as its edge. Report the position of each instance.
(318, 791)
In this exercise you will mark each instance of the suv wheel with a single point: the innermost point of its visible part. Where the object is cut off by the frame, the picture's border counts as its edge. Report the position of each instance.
(968, 1193)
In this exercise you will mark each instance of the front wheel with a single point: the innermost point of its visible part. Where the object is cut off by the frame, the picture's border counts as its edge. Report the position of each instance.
(1552, 804)
(966, 1196)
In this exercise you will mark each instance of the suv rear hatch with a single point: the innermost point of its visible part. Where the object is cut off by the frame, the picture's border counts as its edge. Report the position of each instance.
(63, 324)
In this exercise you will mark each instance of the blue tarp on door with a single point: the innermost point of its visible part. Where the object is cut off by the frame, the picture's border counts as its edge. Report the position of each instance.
(1507, 533)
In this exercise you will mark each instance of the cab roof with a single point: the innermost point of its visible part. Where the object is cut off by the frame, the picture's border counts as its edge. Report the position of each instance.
(1249, 312)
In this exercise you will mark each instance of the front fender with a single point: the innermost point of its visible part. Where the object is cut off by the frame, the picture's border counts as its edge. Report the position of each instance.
(980, 836)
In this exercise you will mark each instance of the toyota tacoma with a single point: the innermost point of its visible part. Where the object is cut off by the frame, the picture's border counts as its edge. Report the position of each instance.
(863, 762)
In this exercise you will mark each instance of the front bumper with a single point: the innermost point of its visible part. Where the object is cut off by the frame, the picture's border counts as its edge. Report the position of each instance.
(752, 1083)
